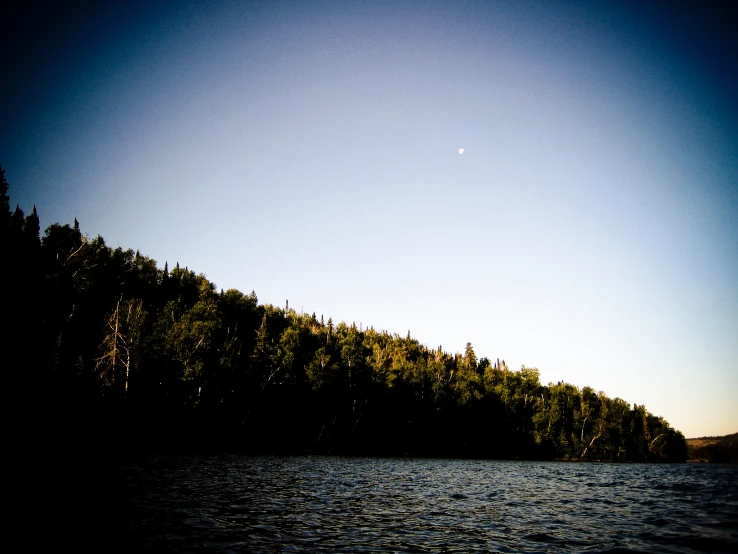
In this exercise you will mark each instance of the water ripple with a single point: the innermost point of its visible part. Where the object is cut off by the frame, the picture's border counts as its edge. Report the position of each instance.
(228, 503)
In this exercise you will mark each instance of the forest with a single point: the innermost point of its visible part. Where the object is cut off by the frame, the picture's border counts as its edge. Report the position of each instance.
(105, 349)
(714, 449)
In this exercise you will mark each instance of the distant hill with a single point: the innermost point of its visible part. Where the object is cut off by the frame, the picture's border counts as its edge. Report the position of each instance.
(713, 449)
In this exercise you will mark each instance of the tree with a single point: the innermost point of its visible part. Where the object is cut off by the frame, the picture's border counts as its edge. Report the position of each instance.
(288, 354)
(31, 229)
(265, 357)
(121, 345)
(5, 212)
(320, 369)
(470, 358)
(80, 310)
(589, 421)
(190, 339)
(352, 355)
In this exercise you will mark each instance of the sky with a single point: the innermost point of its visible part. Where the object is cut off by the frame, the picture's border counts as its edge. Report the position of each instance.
(309, 151)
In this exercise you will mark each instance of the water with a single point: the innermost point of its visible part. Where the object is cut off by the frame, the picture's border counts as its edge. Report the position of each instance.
(229, 503)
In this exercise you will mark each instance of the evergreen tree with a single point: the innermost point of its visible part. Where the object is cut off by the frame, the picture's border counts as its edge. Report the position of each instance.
(5, 212)
(98, 325)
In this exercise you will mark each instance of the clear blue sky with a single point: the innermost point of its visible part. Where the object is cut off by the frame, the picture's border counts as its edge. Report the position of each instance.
(309, 151)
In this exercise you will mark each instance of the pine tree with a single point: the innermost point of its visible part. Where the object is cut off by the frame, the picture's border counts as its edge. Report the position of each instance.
(17, 219)
(32, 228)
(4, 201)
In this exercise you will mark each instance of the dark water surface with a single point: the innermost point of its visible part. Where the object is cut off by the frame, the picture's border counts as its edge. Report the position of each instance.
(230, 503)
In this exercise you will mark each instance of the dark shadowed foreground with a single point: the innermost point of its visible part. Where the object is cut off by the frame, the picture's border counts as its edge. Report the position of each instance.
(231, 503)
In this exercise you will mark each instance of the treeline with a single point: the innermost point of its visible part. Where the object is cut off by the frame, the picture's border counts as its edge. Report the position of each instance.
(108, 347)
(714, 449)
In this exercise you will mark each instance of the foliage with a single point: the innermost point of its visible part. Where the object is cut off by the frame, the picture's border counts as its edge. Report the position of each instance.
(714, 449)
(170, 359)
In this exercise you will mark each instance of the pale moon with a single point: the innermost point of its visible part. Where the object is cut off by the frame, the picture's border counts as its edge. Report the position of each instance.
(461, 151)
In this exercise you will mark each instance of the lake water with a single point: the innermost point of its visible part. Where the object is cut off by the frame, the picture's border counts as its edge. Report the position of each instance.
(231, 503)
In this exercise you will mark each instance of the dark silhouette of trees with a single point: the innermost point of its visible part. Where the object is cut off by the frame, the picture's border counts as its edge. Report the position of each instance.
(114, 350)
(710, 449)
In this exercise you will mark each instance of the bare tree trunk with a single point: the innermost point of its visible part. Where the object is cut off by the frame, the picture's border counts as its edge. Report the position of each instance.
(583, 424)
(116, 334)
(588, 447)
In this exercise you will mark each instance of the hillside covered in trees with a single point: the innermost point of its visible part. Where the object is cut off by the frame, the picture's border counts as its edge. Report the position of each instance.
(714, 449)
(108, 349)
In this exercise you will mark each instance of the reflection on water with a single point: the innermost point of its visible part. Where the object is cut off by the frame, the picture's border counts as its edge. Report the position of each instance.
(228, 503)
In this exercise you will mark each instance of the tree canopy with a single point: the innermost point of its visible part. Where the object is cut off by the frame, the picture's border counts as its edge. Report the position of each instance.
(160, 356)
